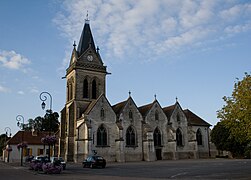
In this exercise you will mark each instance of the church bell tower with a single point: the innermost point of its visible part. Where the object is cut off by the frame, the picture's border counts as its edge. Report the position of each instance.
(85, 82)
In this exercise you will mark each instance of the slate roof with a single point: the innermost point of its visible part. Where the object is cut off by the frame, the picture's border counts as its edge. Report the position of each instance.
(117, 108)
(169, 110)
(86, 39)
(28, 137)
(145, 109)
(195, 120)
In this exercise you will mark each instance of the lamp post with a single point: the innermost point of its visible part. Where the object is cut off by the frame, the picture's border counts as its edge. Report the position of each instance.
(21, 125)
(8, 134)
(43, 97)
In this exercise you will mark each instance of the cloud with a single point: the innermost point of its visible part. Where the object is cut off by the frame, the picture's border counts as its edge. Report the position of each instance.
(146, 28)
(20, 92)
(4, 89)
(13, 60)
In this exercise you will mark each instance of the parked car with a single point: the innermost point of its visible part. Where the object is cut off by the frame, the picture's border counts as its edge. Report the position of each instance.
(29, 158)
(94, 161)
(58, 160)
(43, 159)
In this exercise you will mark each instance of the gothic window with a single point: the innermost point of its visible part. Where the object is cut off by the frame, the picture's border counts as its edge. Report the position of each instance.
(157, 137)
(156, 115)
(85, 89)
(178, 117)
(130, 115)
(101, 136)
(94, 89)
(179, 137)
(130, 137)
(199, 137)
(68, 93)
(102, 113)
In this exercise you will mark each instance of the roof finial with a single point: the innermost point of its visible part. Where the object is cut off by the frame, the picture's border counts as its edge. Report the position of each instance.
(176, 99)
(97, 49)
(129, 93)
(74, 44)
(87, 18)
(155, 97)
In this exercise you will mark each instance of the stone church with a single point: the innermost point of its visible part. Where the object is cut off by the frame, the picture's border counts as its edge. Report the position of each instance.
(122, 132)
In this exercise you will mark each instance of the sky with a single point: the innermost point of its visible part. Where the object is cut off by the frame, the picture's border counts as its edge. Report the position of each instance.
(192, 50)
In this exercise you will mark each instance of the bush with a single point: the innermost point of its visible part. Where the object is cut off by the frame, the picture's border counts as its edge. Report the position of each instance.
(50, 168)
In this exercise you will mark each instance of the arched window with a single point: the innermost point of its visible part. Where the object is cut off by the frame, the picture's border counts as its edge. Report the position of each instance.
(178, 117)
(157, 137)
(68, 92)
(156, 115)
(199, 137)
(102, 113)
(85, 89)
(101, 136)
(130, 115)
(94, 89)
(179, 137)
(130, 137)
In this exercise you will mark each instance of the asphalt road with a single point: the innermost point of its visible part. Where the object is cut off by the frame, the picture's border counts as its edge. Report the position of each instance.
(179, 169)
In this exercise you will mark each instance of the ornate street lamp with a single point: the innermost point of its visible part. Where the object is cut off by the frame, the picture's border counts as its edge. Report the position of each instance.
(43, 97)
(21, 126)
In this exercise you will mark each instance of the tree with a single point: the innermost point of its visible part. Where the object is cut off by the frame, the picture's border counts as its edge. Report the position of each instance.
(236, 113)
(3, 139)
(47, 123)
(50, 121)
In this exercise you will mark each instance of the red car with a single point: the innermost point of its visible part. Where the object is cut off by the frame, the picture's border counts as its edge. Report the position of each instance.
(94, 161)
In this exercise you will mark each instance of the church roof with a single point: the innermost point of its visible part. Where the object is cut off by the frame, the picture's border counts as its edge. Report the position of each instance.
(195, 120)
(117, 108)
(86, 39)
(145, 109)
(169, 110)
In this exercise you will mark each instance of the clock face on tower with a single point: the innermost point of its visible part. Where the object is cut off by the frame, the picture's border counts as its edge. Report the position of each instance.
(89, 57)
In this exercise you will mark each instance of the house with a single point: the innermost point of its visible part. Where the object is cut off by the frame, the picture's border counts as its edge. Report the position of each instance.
(33, 146)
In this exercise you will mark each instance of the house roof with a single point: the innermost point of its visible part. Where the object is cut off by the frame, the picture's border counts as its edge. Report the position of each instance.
(27, 136)
(195, 120)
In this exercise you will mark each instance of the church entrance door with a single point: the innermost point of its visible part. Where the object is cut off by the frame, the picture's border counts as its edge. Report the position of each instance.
(158, 154)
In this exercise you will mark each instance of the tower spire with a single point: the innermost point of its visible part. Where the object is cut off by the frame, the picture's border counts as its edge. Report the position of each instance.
(87, 21)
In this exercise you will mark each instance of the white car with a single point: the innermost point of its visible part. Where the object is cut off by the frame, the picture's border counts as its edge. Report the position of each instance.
(59, 160)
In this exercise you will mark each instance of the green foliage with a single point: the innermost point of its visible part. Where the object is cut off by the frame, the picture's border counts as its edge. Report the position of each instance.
(47, 123)
(3, 139)
(235, 118)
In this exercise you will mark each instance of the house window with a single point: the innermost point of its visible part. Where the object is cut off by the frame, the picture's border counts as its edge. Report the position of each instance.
(94, 89)
(85, 89)
(199, 137)
(130, 137)
(101, 136)
(157, 137)
(179, 137)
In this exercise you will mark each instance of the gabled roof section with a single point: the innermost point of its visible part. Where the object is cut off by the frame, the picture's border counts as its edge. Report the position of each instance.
(86, 39)
(169, 110)
(195, 120)
(117, 108)
(145, 109)
(28, 137)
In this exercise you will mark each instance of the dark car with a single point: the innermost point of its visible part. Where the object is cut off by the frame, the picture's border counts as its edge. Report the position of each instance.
(94, 161)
